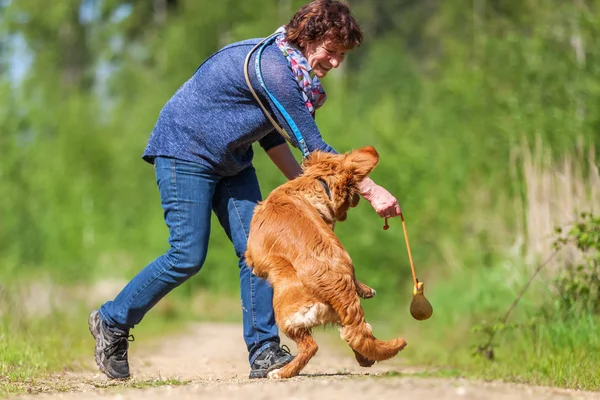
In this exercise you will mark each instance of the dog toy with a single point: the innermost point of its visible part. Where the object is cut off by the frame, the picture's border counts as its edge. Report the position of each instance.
(420, 307)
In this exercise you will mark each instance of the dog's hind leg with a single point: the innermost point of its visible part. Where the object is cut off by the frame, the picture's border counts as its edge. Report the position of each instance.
(339, 291)
(307, 347)
(355, 330)
(367, 348)
(362, 360)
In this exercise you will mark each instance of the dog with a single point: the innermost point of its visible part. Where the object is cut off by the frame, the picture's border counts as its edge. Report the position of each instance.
(292, 244)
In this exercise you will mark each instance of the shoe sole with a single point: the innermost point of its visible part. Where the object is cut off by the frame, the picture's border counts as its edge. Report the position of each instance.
(93, 325)
(95, 331)
(263, 373)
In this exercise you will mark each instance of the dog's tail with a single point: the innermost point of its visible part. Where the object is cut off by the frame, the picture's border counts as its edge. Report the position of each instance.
(360, 338)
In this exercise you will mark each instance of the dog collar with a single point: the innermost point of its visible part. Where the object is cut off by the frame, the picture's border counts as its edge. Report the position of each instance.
(325, 187)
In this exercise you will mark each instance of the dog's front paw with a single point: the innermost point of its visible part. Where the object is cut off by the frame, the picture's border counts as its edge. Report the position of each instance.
(369, 294)
(364, 291)
(274, 374)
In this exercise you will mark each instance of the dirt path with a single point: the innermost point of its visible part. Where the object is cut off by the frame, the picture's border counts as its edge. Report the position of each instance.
(209, 361)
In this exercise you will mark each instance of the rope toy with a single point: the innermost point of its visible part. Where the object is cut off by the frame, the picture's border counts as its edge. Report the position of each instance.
(420, 307)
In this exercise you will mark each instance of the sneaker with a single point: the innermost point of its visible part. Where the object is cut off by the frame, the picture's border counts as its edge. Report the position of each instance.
(111, 349)
(273, 357)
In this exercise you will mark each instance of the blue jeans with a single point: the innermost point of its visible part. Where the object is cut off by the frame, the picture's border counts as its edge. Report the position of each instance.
(188, 192)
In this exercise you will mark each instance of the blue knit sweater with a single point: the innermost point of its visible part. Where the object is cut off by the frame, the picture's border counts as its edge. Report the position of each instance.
(213, 119)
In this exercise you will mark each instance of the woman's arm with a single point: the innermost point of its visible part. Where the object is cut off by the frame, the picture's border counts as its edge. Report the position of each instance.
(283, 158)
(282, 84)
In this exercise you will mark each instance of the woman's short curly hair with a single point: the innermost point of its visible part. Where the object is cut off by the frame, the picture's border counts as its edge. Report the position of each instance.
(324, 19)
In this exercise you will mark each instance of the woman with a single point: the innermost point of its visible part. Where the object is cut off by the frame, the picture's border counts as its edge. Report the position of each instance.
(201, 151)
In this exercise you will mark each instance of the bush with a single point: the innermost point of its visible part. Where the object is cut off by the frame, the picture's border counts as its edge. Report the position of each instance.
(579, 284)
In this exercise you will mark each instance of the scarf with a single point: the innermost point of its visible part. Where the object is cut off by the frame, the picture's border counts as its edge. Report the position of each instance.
(312, 91)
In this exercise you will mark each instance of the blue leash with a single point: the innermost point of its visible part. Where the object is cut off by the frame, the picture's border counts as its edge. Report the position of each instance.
(299, 138)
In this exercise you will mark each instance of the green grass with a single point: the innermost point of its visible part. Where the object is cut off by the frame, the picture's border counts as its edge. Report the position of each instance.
(30, 352)
(543, 349)
(157, 383)
(551, 352)
(54, 384)
(434, 373)
(40, 345)
(32, 349)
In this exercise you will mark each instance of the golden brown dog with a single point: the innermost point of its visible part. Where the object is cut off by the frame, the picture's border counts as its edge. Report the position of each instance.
(292, 244)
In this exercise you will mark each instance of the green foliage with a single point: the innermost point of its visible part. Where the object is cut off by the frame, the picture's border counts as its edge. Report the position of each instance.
(532, 348)
(556, 352)
(444, 90)
(578, 284)
(78, 193)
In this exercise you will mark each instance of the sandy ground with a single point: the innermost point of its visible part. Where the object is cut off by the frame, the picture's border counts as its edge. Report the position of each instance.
(209, 361)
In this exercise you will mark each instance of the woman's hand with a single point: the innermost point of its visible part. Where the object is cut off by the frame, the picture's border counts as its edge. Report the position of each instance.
(384, 203)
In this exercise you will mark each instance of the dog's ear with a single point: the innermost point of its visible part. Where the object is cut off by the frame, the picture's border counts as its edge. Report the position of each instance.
(363, 161)
(355, 200)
